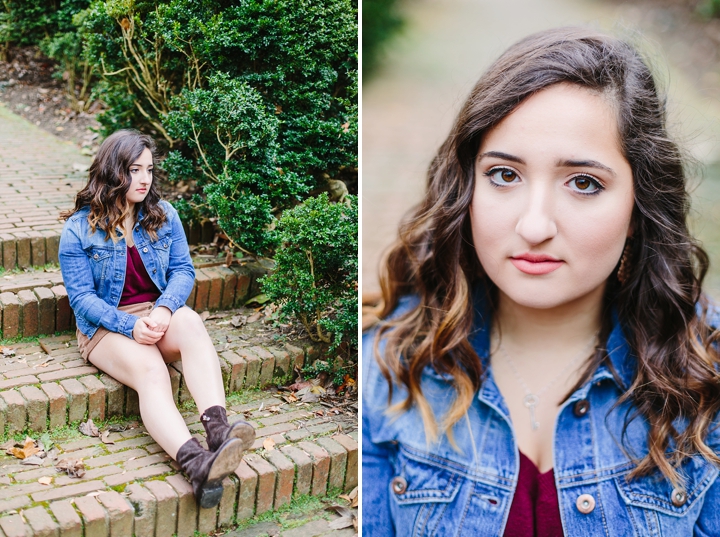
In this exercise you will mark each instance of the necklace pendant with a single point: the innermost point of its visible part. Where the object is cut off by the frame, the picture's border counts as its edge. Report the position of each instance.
(530, 401)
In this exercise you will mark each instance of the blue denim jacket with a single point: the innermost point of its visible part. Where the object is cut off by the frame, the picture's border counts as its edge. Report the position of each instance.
(93, 270)
(413, 487)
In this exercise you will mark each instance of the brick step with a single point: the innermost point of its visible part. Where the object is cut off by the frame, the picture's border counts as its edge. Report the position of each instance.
(132, 487)
(47, 384)
(34, 242)
(37, 303)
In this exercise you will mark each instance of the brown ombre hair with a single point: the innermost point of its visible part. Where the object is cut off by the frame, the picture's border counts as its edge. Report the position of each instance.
(108, 184)
(660, 304)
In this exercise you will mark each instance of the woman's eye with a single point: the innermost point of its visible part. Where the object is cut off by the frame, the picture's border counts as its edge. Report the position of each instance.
(585, 184)
(502, 176)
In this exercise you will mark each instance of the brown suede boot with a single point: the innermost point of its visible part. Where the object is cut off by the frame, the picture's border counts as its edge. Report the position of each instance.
(207, 470)
(217, 428)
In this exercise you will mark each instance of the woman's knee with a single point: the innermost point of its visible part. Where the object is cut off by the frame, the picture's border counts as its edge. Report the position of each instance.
(187, 321)
(148, 367)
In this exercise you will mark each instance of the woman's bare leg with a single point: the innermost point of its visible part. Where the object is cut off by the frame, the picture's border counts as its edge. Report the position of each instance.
(142, 368)
(187, 338)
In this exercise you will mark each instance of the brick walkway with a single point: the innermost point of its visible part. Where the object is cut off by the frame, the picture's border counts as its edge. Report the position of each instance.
(132, 486)
(39, 176)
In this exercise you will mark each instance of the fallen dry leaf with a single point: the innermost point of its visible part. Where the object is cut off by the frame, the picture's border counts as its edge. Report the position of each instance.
(204, 315)
(105, 437)
(290, 398)
(45, 480)
(28, 450)
(254, 317)
(33, 460)
(88, 428)
(7, 351)
(346, 519)
(73, 467)
(351, 497)
(269, 444)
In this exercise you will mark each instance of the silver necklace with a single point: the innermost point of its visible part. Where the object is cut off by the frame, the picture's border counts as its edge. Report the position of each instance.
(531, 399)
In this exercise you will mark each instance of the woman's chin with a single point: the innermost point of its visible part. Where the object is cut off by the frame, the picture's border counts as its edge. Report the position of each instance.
(547, 294)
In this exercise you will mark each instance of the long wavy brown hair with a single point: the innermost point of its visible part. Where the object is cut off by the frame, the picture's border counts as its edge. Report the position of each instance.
(660, 304)
(108, 184)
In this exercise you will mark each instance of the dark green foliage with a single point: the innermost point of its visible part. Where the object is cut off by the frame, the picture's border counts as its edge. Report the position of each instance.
(256, 99)
(316, 273)
(28, 22)
(380, 22)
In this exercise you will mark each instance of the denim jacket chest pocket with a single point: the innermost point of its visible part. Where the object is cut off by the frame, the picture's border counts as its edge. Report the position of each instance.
(655, 507)
(100, 259)
(433, 496)
(161, 247)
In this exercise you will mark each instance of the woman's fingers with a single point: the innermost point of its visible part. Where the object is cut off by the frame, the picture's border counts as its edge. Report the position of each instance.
(145, 331)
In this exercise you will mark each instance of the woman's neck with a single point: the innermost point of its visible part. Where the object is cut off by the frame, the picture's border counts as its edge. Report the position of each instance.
(552, 330)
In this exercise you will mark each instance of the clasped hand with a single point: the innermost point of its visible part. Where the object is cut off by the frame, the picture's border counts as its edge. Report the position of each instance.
(149, 330)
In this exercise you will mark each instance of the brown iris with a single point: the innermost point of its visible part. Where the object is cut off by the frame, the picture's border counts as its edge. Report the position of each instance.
(583, 183)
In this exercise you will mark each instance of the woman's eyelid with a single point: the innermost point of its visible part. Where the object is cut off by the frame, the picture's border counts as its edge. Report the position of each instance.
(594, 178)
(492, 170)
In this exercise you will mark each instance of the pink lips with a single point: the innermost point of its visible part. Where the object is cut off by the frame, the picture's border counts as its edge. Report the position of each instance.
(536, 264)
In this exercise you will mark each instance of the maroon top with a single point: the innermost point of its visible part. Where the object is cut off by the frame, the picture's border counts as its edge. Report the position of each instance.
(138, 285)
(535, 510)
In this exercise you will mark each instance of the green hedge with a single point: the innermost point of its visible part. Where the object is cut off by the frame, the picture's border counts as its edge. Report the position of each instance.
(316, 273)
(257, 100)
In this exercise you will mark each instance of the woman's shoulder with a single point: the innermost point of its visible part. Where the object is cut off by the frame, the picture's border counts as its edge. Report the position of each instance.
(167, 207)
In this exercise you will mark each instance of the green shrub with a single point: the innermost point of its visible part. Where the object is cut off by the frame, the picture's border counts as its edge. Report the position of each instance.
(256, 100)
(315, 280)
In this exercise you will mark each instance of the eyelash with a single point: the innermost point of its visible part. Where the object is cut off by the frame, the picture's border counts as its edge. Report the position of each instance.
(598, 186)
(133, 170)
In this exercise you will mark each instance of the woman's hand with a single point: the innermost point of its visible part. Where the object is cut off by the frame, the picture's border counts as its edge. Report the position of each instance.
(161, 315)
(144, 331)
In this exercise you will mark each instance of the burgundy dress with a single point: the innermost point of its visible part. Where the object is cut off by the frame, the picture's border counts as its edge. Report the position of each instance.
(535, 510)
(139, 287)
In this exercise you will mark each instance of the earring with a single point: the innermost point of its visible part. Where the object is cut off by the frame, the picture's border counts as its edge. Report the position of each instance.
(623, 271)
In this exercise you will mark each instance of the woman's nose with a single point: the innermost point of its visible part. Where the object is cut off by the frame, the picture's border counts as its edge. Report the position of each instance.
(537, 219)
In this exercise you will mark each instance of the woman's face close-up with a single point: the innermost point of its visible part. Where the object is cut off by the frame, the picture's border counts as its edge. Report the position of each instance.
(141, 175)
(553, 198)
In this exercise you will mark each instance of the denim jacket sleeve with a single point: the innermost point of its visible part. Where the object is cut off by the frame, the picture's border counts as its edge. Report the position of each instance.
(80, 287)
(377, 469)
(180, 272)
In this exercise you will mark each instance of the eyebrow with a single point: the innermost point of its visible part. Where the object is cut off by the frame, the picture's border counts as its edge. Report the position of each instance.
(585, 164)
(559, 164)
(501, 155)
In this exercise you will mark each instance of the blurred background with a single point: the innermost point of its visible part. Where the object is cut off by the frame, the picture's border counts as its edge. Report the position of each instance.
(421, 58)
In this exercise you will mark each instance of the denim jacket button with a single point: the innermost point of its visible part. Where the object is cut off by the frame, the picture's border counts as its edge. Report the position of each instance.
(679, 497)
(145, 249)
(585, 504)
(154, 271)
(398, 484)
(581, 408)
(96, 256)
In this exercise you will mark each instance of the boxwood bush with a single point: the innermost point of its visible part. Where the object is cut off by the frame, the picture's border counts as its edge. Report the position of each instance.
(255, 99)
(316, 273)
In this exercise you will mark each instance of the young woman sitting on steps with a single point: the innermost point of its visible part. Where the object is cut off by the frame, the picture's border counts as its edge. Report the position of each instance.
(127, 269)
